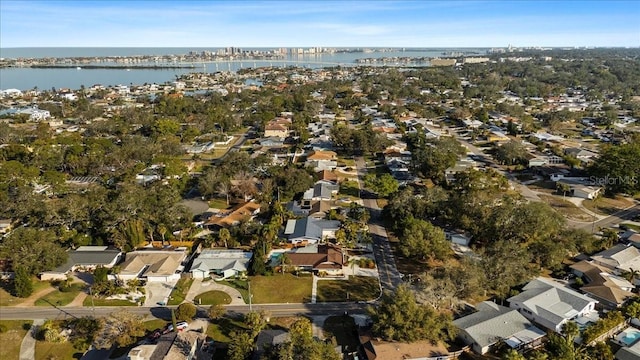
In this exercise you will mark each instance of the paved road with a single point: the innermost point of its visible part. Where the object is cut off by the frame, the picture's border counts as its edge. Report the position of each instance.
(610, 221)
(13, 313)
(389, 274)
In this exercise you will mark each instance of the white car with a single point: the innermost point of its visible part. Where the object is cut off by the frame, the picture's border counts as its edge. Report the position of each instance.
(180, 326)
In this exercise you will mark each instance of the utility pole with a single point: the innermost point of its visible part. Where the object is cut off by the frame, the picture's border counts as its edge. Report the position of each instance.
(93, 307)
(250, 296)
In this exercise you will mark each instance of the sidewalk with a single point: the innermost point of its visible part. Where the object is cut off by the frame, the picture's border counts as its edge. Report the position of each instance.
(28, 347)
(79, 300)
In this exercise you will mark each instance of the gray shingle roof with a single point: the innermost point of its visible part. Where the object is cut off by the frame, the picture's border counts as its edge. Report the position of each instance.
(491, 323)
(551, 301)
(86, 256)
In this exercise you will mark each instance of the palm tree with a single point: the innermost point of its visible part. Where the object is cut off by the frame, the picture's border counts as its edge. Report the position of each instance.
(162, 230)
(284, 261)
(225, 189)
(224, 235)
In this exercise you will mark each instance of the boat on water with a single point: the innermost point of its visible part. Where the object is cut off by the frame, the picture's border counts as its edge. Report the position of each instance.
(78, 68)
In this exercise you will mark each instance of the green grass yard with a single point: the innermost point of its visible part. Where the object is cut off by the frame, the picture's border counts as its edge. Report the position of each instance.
(179, 292)
(6, 299)
(213, 297)
(11, 339)
(106, 302)
(357, 288)
(60, 298)
(266, 289)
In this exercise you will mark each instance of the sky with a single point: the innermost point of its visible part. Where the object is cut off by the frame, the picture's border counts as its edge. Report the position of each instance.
(290, 23)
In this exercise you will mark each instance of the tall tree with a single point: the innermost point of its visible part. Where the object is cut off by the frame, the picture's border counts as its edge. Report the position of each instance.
(121, 328)
(398, 317)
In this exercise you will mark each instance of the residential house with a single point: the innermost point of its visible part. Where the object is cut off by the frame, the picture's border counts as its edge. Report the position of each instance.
(586, 192)
(152, 265)
(551, 304)
(220, 264)
(493, 323)
(629, 353)
(278, 127)
(272, 141)
(458, 238)
(619, 258)
(310, 230)
(244, 211)
(5, 226)
(268, 339)
(316, 258)
(322, 160)
(314, 208)
(610, 290)
(321, 190)
(585, 156)
(182, 345)
(461, 166)
(327, 176)
(84, 257)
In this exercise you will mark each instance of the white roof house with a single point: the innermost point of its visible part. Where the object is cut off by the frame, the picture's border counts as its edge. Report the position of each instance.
(310, 230)
(551, 304)
(492, 323)
(619, 257)
(223, 263)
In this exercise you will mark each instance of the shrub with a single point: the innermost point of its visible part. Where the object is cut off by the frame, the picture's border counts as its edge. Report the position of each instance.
(22, 284)
(3, 328)
(186, 311)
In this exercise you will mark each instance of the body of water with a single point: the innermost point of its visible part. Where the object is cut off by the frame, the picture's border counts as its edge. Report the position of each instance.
(29, 78)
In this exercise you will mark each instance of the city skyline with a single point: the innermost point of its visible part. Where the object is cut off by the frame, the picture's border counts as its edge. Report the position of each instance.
(323, 24)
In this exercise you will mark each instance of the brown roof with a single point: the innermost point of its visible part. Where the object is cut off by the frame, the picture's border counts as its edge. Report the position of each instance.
(327, 257)
(327, 175)
(275, 127)
(322, 155)
(600, 286)
(237, 214)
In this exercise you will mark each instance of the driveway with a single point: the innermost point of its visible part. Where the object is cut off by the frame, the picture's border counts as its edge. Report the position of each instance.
(198, 287)
(158, 292)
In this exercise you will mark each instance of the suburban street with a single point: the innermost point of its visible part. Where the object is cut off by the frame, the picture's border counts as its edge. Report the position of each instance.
(389, 274)
(609, 221)
(37, 312)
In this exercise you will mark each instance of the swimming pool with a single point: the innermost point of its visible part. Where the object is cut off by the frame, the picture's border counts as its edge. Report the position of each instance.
(629, 336)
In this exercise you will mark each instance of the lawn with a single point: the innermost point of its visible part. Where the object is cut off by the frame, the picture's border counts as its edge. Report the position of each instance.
(219, 204)
(11, 339)
(6, 299)
(65, 350)
(60, 298)
(179, 292)
(97, 301)
(349, 188)
(220, 329)
(213, 297)
(631, 226)
(154, 324)
(344, 329)
(357, 288)
(240, 285)
(267, 289)
(566, 208)
(607, 206)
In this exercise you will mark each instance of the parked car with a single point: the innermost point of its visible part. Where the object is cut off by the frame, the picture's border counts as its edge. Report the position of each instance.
(180, 326)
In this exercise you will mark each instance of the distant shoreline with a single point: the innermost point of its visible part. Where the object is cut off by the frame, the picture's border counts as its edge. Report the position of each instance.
(114, 67)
